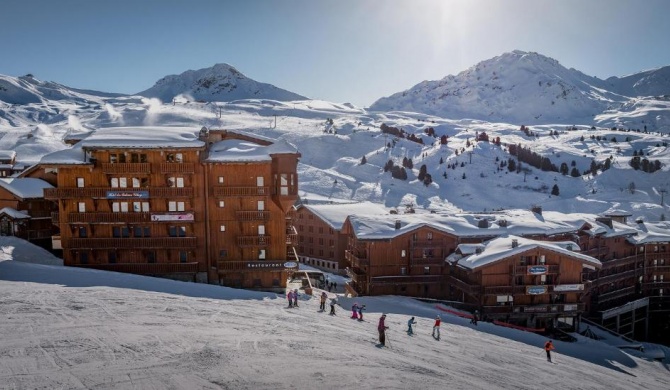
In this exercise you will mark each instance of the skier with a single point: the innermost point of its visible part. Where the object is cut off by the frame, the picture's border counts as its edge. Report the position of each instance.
(360, 312)
(354, 311)
(548, 346)
(335, 286)
(409, 326)
(295, 297)
(436, 327)
(474, 317)
(323, 301)
(289, 296)
(381, 327)
(333, 302)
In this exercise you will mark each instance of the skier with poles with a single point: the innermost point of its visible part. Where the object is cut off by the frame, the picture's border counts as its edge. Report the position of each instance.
(549, 346)
(360, 312)
(289, 296)
(354, 311)
(295, 297)
(381, 327)
(409, 326)
(324, 296)
(333, 302)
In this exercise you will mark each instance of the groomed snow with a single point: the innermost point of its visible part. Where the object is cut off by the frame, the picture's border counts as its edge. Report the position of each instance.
(76, 328)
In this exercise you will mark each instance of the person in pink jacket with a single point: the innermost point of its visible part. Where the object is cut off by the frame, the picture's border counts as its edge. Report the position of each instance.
(289, 296)
(381, 327)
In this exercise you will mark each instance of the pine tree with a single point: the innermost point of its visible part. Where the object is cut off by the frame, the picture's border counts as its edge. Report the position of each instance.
(364, 161)
(554, 190)
(422, 172)
(574, 172)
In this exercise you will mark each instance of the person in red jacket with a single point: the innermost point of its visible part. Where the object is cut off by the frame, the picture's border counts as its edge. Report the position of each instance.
(436, 327)
(548, 346)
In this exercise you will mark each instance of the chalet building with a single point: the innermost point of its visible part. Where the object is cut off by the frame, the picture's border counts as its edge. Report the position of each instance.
(8, 165)
(210, 205)
(321, 243)
(397, 254)
(23, 211)
(530, 283)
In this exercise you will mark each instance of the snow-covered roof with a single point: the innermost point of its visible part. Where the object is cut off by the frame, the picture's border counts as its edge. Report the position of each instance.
(25, 187)
(335, 214)
(7, 154)
(148, 137)
(72, 156)
(650, 232)
(16, 214)
(232, 149)
(501, 248)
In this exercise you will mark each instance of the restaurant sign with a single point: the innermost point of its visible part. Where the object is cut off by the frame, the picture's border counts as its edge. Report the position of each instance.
(172, 217)
(569, 287)
(537, 269)
(536, 290)
(127, 194)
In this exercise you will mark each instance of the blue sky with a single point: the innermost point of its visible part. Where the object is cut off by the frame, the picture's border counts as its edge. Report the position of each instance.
(338, 50)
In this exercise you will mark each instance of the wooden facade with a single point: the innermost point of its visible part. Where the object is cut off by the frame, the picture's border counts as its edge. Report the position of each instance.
(171, 211)
(536, 288)
(28, 218)
(319, 244)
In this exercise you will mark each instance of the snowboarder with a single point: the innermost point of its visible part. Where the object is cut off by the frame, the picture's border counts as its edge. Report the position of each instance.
(475, 317)
(354, 311)
(409, 326)
(360, 312)
(381, 327)
(324, 296)
(295, 297)
(333, 302)
(289, 296)
(548, 346)
(436, 327)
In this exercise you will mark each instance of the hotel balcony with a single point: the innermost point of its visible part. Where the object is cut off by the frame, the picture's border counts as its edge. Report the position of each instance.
(356, 275)
(291, 236)
(145, 268)
(222, 192)
(427, 260)
(254, 215)
(355, 261)
(615, 277)
(169, 167)
(126, 168)
(535, 309)
(253, 241)
(470, 289)
(101, 192)
(138, 243)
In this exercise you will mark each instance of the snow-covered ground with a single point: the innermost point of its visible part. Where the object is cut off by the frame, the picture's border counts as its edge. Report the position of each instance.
(74, 329)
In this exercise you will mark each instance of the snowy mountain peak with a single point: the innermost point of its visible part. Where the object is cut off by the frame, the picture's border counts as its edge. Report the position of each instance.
(221, 82)
(523, 87)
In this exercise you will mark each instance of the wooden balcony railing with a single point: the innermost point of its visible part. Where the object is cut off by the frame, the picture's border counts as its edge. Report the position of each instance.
(409, 279)
(39, 214)
(603, 250)
(37, 234)
(55, 218)
(600, 280)
(604, 297)
(145, 268)
(101, 192)
(356, 275)
(126, 168)
(220, 191)
(428, 260)
(291, 254)
(252, 241)
(167, 167)
(428, 243)
(258, 215)
(108, 217)
(354, 260)
(291, 236)
(657, 284)
(470, 289)
(140, 243)
(509, 290)
(607, 264)
(533, 309)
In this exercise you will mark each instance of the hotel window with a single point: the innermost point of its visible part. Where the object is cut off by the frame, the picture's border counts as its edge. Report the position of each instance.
(223, 253)
(151, 257)
(114, 182)
(320, 230)
(177, 231)
(310, 229)
(426, 270)
(222, 228)
(118, 231)
(80, 182)
(503, 300)
(221, 204)
(429, 236)
(114, 158)
(261, 254)
(283, 184)
(543, 279)
(142, 231)
(83, 257)
(81, 206)
(136, 182)
(320, 252)
(140, 207)
(220, 179)
(542, 261)
(403, 253)
(175, 206)
(175, 157)
(138, 158)
(320, 241)
(111, 257)
(176, 182)
(183, 256)
(82, 231)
